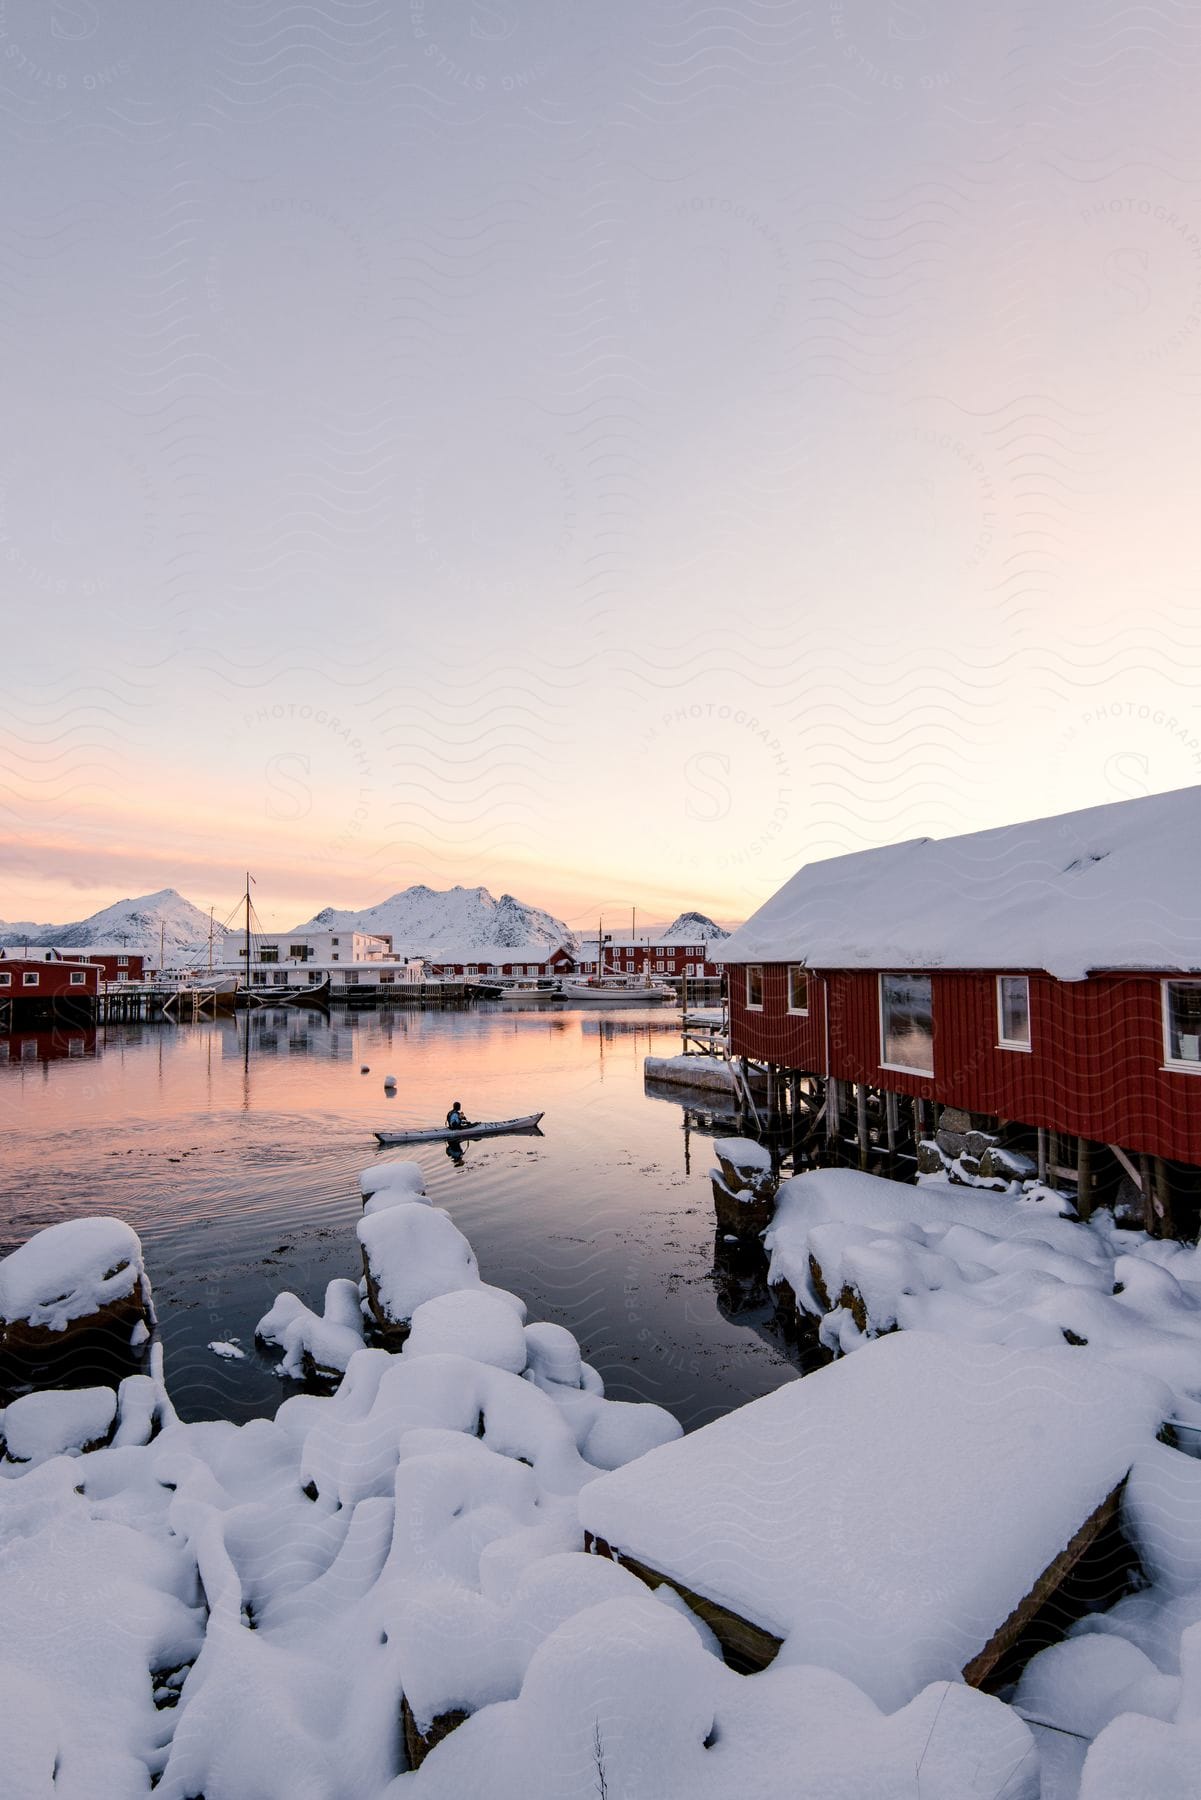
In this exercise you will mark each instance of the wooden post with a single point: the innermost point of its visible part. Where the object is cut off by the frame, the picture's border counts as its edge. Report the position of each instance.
(861, 1124)
(1084, 1178)
(833, 1110)
(1042, 1154)
(891, 1111)
(1149, 1220)
(1161, 1198)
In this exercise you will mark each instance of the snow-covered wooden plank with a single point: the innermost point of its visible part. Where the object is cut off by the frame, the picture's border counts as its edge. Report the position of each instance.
(886, 1516)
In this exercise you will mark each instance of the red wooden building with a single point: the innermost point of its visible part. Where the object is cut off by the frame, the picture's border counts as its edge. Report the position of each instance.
(533, 960)
(114, 965)
(1042, 981)
(29, 988)
(640, 956)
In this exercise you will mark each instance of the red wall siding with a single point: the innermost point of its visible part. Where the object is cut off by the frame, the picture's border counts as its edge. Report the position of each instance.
(1095, 1070)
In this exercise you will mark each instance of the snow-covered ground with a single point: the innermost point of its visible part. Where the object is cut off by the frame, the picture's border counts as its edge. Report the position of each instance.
(265, 1612)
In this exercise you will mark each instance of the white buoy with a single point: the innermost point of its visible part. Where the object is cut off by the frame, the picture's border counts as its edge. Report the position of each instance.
(389, 1081)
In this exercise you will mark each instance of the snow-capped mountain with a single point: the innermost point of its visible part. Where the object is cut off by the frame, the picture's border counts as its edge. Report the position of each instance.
(692, 927)
(424, 922)
(143, 924)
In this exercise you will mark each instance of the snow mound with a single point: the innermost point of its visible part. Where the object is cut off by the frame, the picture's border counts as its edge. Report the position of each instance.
(315, 1345)
(478, 1323)
(402, 1178)
(58, 1422)
(622, 1698)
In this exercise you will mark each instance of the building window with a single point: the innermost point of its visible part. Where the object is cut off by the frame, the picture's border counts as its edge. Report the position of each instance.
(269, 953)
(298, 952)
(1013, 1012)
(6, 979)
(906, 1024)
(78, 978)
(1182, 1024)
(30, 978)
(122, 962)
(798, 988)
(754, 986)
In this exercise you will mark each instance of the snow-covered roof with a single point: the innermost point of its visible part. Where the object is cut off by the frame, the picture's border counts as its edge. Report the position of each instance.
(885, 1515)
(1112, 887)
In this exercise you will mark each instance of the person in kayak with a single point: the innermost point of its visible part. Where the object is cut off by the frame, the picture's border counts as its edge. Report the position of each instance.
(456, 1119)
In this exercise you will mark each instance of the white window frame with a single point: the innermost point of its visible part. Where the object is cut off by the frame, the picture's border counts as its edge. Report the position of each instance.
(6, 979)
(1004, 1043)
(798, 1012)
(903, 1068)
(1176, 1064)
(31, 978)
(79, 978)
(754, 1005)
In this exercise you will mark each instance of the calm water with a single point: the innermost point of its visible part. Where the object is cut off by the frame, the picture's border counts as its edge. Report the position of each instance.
(233, 1148)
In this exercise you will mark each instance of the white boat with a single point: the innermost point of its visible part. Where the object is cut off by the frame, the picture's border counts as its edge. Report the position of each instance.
(488, 1128)
(615, 990)
(521, 993)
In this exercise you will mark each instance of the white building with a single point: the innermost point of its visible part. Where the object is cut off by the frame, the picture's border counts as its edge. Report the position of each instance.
(322, 947)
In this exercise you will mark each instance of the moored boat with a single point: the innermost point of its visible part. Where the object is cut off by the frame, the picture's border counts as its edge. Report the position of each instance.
(486, 1128)
(615, 990)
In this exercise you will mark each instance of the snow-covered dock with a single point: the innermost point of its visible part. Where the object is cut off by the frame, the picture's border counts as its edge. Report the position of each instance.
(897, 1517)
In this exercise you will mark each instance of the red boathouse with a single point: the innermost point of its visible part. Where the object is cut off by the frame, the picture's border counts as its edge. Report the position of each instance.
(1017, 1000)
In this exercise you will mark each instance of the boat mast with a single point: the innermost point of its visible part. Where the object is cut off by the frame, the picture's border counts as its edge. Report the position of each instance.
(210, 940)
(248, 927)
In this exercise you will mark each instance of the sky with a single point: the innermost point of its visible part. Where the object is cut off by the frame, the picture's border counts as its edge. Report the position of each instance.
(612, 454)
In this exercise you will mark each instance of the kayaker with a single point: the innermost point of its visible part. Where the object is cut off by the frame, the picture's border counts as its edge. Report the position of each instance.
(455, 1117)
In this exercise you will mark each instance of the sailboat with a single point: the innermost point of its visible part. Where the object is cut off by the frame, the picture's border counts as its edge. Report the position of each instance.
(279, 991)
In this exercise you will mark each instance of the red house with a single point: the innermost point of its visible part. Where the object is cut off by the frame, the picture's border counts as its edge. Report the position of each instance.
(114, 965)
(513, 960)
(1034, 989)
(639, 956)
(29, 987)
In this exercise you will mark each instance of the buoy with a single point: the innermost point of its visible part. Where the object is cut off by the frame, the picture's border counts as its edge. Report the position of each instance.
(389, 1081)
(364, 1070)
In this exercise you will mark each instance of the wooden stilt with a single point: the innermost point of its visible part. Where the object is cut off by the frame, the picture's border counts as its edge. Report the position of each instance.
(1146, 1183)
(1161, 1198)
(861, 1124)
(833, 1111)
(1084, 1178)
(892, 1121)
(1042, 1154)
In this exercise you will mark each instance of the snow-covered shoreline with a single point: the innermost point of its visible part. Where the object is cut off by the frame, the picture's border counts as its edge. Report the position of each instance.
(299, 1608)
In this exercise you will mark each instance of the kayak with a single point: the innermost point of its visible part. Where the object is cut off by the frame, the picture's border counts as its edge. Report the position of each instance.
(489, 1128)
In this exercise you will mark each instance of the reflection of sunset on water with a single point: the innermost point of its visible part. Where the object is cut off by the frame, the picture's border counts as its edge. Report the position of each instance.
(233, 1148)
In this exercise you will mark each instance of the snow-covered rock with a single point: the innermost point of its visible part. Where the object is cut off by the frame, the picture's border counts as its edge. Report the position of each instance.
(404, 1179)
(410, 1253)
(57, 1422)
(83, 1276)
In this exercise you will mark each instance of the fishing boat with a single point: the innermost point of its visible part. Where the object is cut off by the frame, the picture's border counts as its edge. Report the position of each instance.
(488, 1128)
(615, 990)
(527, 990)
(313, 993)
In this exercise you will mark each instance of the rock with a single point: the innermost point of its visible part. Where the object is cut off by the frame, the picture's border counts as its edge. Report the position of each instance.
(953, 1118)
(59, 1422)
(977, 1142)
(930, 1159)
(741, 1212)
(1009, 1165)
